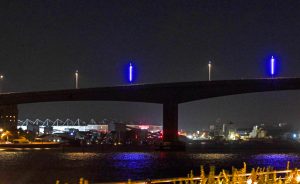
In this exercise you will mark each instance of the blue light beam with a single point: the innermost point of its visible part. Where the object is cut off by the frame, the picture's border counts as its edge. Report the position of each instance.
(130, 73)
(272, 66)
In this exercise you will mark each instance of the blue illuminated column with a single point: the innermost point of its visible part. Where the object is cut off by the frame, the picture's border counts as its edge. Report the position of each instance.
(130, 73)
(272, 66)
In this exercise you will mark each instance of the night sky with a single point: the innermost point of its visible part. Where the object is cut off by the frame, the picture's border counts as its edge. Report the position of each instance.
(42, 44)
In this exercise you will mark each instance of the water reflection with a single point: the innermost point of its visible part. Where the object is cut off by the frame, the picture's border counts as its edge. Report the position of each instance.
(11, 155)
(131, 160)
(278, 161)
(80, 156)
(22, 166)
(132, 156)
(212, 156)
(132, 165)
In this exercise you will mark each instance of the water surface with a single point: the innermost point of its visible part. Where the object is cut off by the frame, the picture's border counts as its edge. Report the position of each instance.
(45, 166)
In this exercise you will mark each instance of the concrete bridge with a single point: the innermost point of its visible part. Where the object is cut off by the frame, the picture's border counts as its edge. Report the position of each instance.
(168, 94)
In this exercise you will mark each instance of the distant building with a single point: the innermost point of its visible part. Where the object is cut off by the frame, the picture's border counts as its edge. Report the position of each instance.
(48, 130)
(33, 128)
(243, 133)
(225, 130)
(258, 132)
(58, 126)
(149, 128)
(8, 118)
(49, 138)
(216, 130)
(229, 131)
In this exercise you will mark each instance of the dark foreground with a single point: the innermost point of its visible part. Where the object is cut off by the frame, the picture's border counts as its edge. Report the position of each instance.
(41, 165)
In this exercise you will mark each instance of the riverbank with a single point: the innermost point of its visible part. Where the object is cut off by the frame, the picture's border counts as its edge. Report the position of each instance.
(30, 145)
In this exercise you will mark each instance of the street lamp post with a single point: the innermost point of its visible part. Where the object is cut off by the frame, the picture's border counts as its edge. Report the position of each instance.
(1, 80)
(76, 79)
(209, 70)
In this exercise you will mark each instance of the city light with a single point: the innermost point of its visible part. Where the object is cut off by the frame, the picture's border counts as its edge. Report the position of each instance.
(189, 136)
(249, 181)
(130, 72)
(6, 134)
(298, 178)
(144, 127)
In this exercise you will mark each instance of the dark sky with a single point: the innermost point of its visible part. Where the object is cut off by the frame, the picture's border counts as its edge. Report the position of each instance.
(42, 43)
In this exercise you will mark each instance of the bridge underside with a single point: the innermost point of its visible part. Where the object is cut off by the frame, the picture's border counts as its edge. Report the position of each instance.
(169, 94)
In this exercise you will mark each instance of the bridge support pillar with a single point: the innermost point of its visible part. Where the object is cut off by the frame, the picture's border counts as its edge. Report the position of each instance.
(9, 117)
(170, 122)
(170, 127)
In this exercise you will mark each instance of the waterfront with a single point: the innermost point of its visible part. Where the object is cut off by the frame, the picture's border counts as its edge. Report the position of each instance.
(45, 166)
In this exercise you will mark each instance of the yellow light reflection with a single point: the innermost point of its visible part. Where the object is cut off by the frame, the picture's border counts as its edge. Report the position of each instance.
(298, 178)
(80, 156)
(211, 156)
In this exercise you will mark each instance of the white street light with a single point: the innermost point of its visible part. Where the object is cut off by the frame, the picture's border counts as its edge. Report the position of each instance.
(1, 80)
(209, 70)
(76, 79)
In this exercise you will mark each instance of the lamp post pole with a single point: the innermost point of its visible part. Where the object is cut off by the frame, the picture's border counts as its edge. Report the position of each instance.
(76, 79)
(209, 70)
(1, 80)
